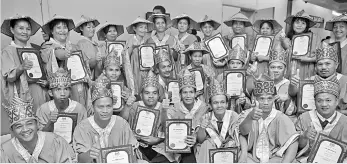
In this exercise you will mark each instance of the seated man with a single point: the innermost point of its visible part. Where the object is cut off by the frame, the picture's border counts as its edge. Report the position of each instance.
(327, 63)
(219, 128)
(324, 119)
(60, 89)
(271, 134)
(29, 145)
(103, 129)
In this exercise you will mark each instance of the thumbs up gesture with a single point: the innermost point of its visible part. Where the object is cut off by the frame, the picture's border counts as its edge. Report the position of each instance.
(27, 64)
(95, 150)
(310, 133)
(256, 113)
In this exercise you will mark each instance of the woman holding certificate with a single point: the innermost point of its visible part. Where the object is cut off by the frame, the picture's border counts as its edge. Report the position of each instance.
(183, 23)
(139, 28)
(302, 43)
(219, 128)
(161, 22)
(13, 70)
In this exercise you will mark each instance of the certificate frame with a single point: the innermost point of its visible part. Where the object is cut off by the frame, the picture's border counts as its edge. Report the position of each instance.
(173, 74)
(127, 148)
(73, 116)
(236, 36)
(142, 67)
(302, 83)
(79, 54)
(233, 150)
(202, 76)
(20, 52)
(169, 122)
(118, 42)
(217, 36)
(322, 137)
(310, 35)
(271, 37)
(168, 84)
(121, 85)
(240, 71)
(155, 124)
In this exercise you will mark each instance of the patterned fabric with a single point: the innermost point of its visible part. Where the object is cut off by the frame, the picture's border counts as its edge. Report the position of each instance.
(101, 34)
(162, 56)
(207, 19)
(237, 53)
(328, 51)
(70, 23)
(216, 88)
(330, 85)
(301, 14)
(61, 78)
(192, 24)
(264, 85)
(112, 59)
(130, 29)
(166, 17)
(276, 25)
(196, 46)
(6, 28)
(186, 79)
(150, 80)
(278, 54)
(101, 88)
(85, 19)
(330, 24)
(19, 110)
(238, 17)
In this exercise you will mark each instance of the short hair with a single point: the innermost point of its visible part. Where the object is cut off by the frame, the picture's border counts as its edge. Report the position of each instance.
(188, 20)
(161, 8)
(85, 24)
(56, 22)
(268, 23)
(154, 20)
(208, 22)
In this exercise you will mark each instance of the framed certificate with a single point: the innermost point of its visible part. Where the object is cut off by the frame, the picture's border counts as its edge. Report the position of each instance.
(235, 82)
(224, 155)
(263, 44)
(75, 63)
(217, 47)
(327, 150)
(118, 154)
(176, 130)
(146, 121)
(174, 88)
(199, 78)
(146, 55)
(167, 48)
(305, 98)
(65, 125)
(116, 46)
(239, 40)
(117, 88)
(302, 44)
(36, 72)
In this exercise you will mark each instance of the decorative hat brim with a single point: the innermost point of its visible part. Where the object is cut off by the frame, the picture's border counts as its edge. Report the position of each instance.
(70, 24)
(229, 23)
(101, 34)
(149, 25)
(193, 24)
(6, 28)
(330, 24)
(77, 28)
(22, 119)
(215, 24)
(310, 20)
(276, 25)
(166, 17)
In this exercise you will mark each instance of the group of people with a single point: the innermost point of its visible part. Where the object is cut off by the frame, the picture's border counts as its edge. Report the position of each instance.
(264, 123)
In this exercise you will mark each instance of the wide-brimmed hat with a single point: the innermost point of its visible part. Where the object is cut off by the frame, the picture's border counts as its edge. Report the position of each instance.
(70, 23)
(238, 17)
(192, 24)
(166, 17)
(6, 28)
(101, 33)
(196, 46)
(215, 24)
(139, 20)
(330, 24)
(276, 26)
(85, 19)
(301, 14)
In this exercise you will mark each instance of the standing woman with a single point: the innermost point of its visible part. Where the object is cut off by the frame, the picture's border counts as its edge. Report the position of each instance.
(338, 26)
(300, 24)
(139, 28)
(183, 23)
(207, 27)
(265, 27)
(109, 32)
(14, 79)
(91, 53)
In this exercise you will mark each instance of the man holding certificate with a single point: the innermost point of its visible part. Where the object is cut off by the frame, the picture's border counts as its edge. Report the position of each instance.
(29, 145)
(271, 134)
(324, 119)
(189, 108)
(102, 130)
(59, 84)
(152, 146)
(219, 128)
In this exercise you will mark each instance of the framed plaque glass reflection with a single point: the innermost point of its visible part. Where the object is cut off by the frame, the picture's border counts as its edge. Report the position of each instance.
(224, 155)
(76, 64)
(146, 121)
(117, 88)
(65, 125)
(146, 55)
(239, 40)
(199, 78)
(263, 44)
(235, 82)
(36, 73)
(217, 47)
(174, 88)
(118, 154)
(117, 46)
(305, 98)
(176, 130)
(302, 44)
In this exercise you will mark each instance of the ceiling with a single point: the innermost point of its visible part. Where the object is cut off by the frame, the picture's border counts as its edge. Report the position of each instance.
(337, 5)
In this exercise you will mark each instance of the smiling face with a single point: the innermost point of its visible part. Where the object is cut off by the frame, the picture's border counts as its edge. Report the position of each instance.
(112, 72)
(326, 67)
(277, 70)
(207, 29)
(299, 25)
(238, 27)
(140, 29)
(266, 29)
(60, 31)
(160, 24)
(21, 31)
(150, 96)
(196, 58)
(88, 29)
(111, 34)
(188, 95)
(219, 104)
(326, 104)
(103, 108)
(25, 130)
(235, 64)
(165, 69)
(340, 29)
(183, 25)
